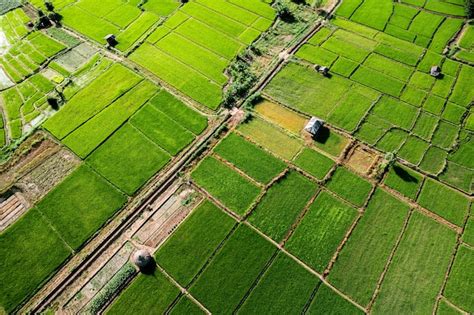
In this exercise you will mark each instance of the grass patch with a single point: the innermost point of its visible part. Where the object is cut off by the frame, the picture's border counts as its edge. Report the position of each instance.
(281, 116)
(423, 255)
(326, 301)
(232, 272)
(272, 138)
(147, 292)
(194, 242)
(363, 258)
(30, 252)
(246, 156)
(321, 231)
(233, 190)
(444, 201)
(314, 163)
(461, 279)
(282, 204)
(80, 205)
(404, 180)
(350, 186)
(284, 288)
(128, 159)
(378, 81)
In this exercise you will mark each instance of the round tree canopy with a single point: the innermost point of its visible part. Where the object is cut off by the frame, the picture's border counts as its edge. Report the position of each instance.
(142, 259)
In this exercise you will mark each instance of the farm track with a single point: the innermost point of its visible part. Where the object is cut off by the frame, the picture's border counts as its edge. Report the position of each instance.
(53, 289)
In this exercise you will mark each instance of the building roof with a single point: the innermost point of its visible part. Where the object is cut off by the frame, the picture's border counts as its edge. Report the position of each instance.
(314, 125)
(435, 71)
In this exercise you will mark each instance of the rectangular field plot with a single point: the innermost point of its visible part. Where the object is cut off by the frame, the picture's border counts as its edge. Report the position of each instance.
(215, 32)
(128, 159)
(91, 100)
(404, 180)
(418, 267)
(186, 306)
(146, 292)
(314, 163)
(444, 201)
(228, 186)
(271, 137)
(326, 301)
(161, 129)
(461, 280)
(282, 204)
(80, 205)
(363, 258)
(349, 186)
(252, 160)
(93, 132)
(321, 230)
(284, 288)
(127, 21)
(31, 250)
(281, 116)
(194, 242)
(233, 271)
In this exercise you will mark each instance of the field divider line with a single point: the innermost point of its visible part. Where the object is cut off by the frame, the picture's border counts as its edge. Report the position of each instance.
(300, 217)
(447, 301)
(236, 169)
(264, 191)
(451, 263)
(48, 221)
(182, 289)
(257, 280)
(389, 260)
(305, 266)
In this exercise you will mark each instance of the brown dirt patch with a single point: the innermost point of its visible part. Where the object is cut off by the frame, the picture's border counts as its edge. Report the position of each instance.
(362, 159)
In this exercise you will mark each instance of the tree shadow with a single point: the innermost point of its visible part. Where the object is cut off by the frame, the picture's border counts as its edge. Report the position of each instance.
(149, 269)
(404, 175)
(322, 135)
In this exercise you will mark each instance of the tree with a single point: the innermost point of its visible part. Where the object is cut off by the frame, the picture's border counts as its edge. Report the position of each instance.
(49, 5)
(470, 9)
(283, 11)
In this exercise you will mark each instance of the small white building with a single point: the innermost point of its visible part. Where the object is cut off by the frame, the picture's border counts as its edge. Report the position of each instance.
(314, 125)
(435, 71)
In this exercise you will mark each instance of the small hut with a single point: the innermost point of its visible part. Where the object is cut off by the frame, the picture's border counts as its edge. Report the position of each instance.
(111, 40)
(314, 125)
(435, 71)
(143, 260)
(321, 69)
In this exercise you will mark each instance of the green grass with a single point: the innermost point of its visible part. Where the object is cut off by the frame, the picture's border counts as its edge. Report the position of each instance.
(334, 144)
(186, 307)
(161, 129)
(298, 86)
(135, 30)
(80, 205)
(418, 267)
(316, 55)
(233, 271)
(343, 47)
(378, 81)
(182, 77)
(233, 190)
(182, 114)
(350, 186)
(406, 114)
(252, 160)
(461, 280)
(314, 163)
(444, 201)
(147, 292)
(91, 100)
(457, 176)
(194, 242)
(326, 301)
(271, 137)
(30, 252)
(283, 289)
(128, 159)
(425, 125)
(373, 13)
(413, 149)
(363, 258)
(282, 204)
(404, 180)
(445, 135)
(389, 67)
(446, 309)
(88, 136)
(321, 230)
(434, 160)
(344, 67)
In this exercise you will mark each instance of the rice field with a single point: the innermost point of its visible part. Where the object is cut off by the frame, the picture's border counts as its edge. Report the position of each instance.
(284, 221)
